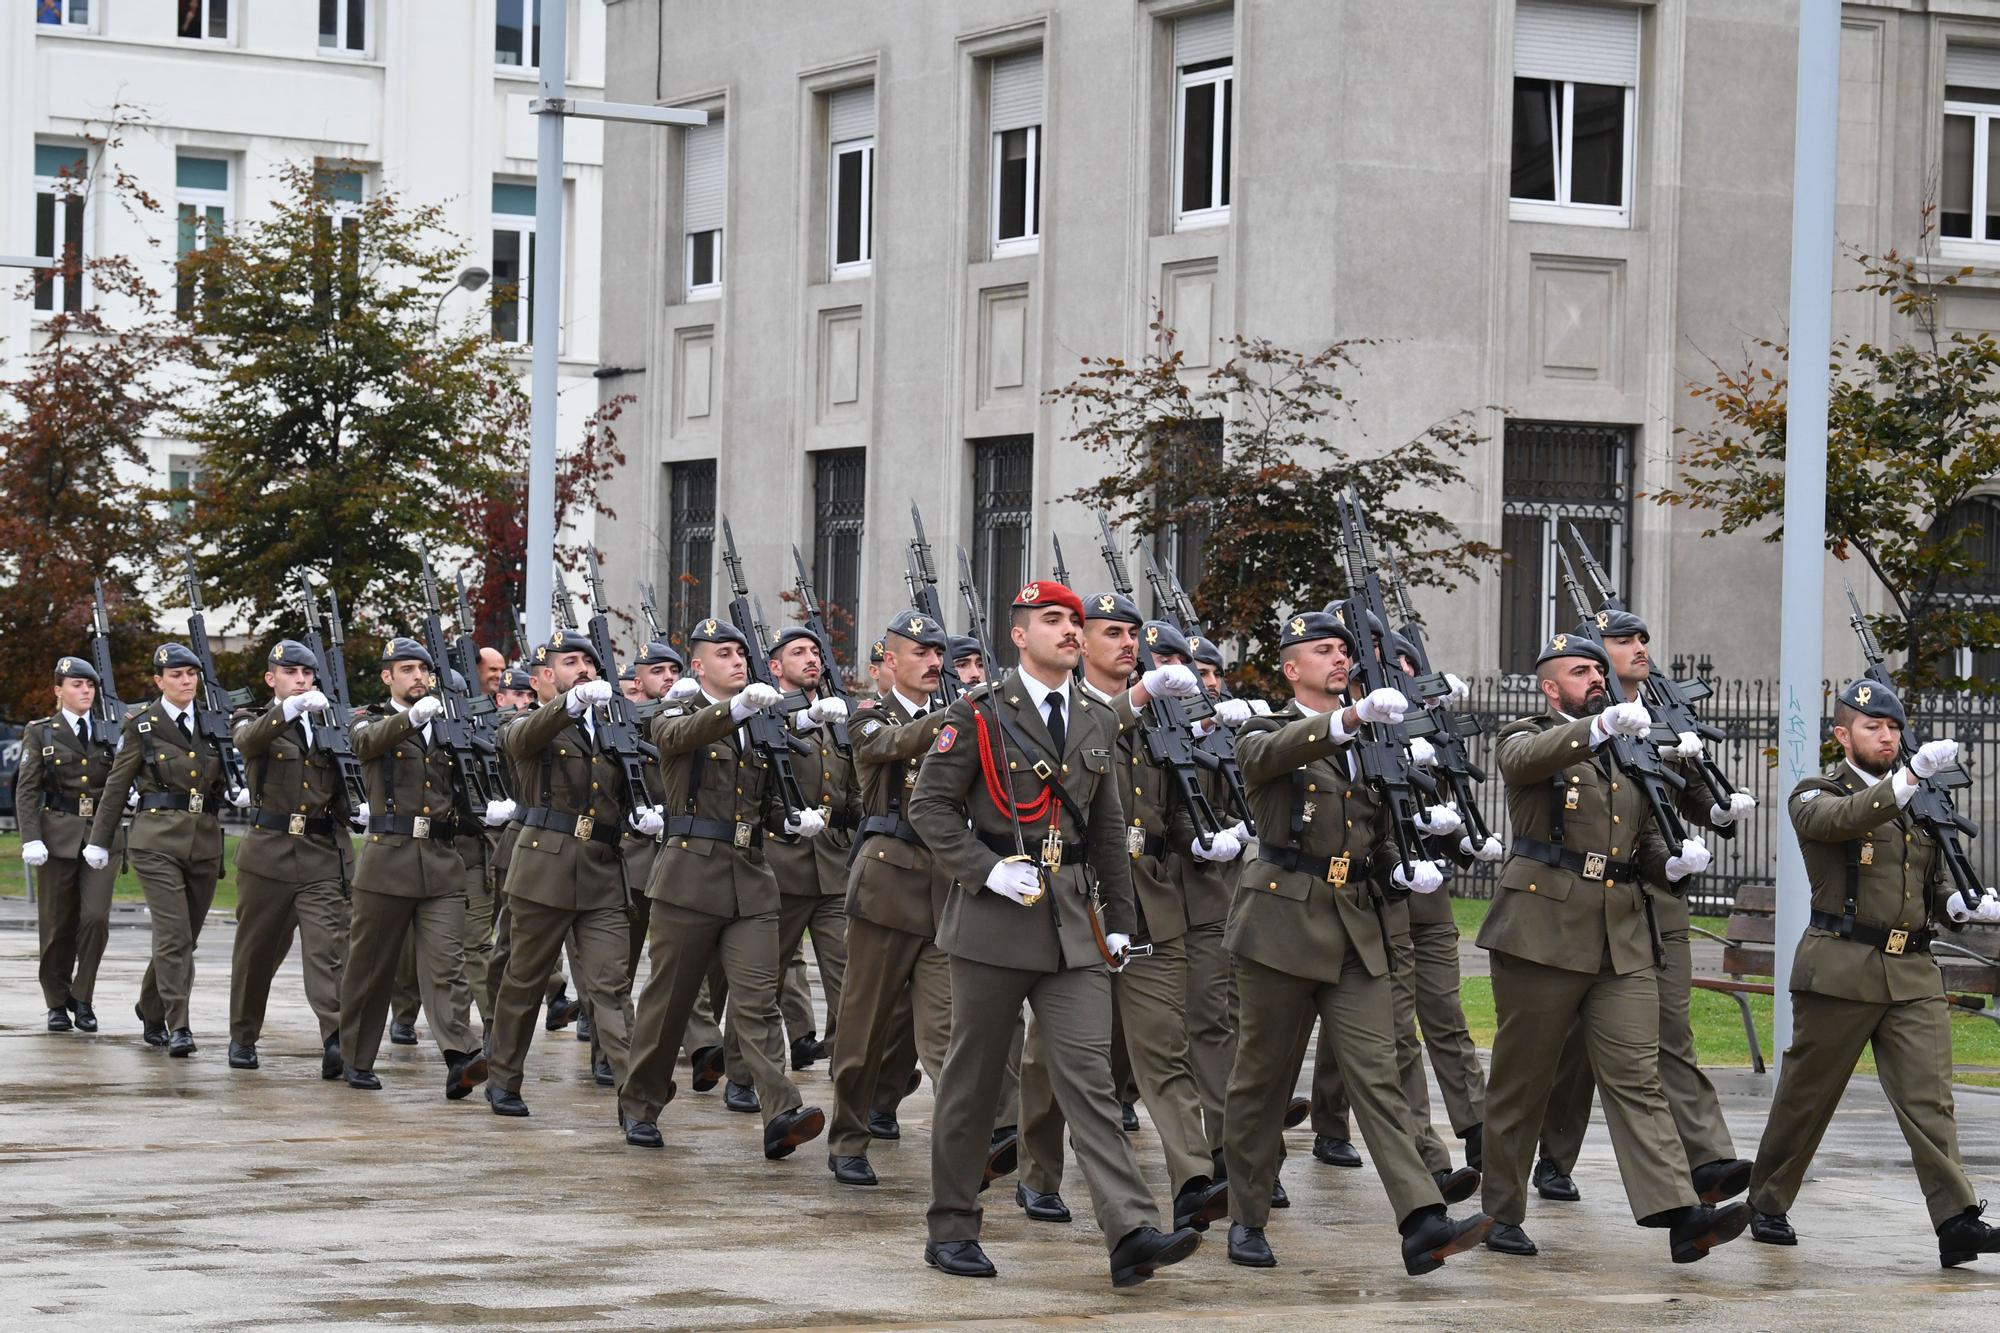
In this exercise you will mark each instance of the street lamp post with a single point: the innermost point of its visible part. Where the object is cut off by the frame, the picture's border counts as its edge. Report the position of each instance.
(469, 279)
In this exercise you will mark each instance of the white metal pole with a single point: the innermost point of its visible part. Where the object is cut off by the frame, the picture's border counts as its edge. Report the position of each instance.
(547, 326)
(1802, 616)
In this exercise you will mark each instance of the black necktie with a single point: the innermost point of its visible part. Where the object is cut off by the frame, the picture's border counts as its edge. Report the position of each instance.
(186, 730)
(1058, 732)
(83, 731)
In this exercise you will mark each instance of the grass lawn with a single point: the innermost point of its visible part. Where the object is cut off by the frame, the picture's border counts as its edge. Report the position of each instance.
(13, 884)
(1718, 1024)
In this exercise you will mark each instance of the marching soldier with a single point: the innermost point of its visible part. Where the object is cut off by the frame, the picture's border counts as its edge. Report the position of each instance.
(1308, 937)
(1016, 930)
(1570, 939)
(518, 690)
(567, 879)
(968, 659)
(1206, 887)
(66, 761)
(410, 880)
(176, 839)
(1864, 974)
(294, 864)
(714, 896)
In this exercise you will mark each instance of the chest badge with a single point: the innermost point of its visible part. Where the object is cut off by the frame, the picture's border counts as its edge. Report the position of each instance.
(1868, 853)
(1571, 797)
(1306, 815)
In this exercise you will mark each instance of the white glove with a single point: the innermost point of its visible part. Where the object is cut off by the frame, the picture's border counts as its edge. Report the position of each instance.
(35, 853)
(238, 797)
(586, 695)
(805, 823)
(424, 709)
(311, 701)
(1422, 753)
(1741, 803)
(1116, 944)
(804, 722)
(1460, 691)
(96, 857)
(1172, 682)
(832, 708)
(1260, 707)
(1019, 881)
(683, 687)
(360, 818)
(648, 820)
(1988, 910)
(1418, 877)
(132, 799)
(755, 698)
(1488, 851)
(1383, 705)
(1627, 719)
(1693, 859)
(1225, 846)
(498, 813)
(1234, 712)
(1439, 821)
(1933, 757)
(1688, 746)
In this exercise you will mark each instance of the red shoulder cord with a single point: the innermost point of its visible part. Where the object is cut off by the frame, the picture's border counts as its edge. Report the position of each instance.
(998, 789)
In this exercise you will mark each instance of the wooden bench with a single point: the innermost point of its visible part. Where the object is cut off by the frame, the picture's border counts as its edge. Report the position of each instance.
(1969, 958)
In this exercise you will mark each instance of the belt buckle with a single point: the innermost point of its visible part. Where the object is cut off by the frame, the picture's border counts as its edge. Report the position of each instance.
(194, 802)
(1336, 870)
(420, 826)
(1899, 940)
(1135, 841)
(742, 839)
(1593, 865)
(295, 825)
(85, 807)
(584, 824)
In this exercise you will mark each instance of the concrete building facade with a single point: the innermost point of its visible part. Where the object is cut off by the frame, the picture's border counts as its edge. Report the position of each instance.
(910, 220)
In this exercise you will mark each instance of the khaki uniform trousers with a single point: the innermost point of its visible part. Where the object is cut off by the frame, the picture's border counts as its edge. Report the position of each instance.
(73, 917)
(599, 939)
(178, 896)
(268, 914)
(377, 926)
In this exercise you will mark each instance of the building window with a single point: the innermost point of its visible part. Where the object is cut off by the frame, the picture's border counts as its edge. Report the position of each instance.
(691, 531)
(840, 479)
(201, 192)
(702, 166)
(1576, 68)
(1016, 116)
(1003, 497)
(343, 192)
(183, 476)
(517, 34)
(850, 119)
(513, 263)
(1977, 522)
(63, 13)
(1554, 475)
(62, 193)
(343, 26)
(1182, 546)
(204, 20)
(1204, 115)
(1968, 184)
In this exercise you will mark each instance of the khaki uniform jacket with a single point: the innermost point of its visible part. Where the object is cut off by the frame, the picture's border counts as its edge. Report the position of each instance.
(287, 778)
(978, 924)
(1151, 811)
(500, 845)
(1553, 916)
(414, 780)
(1298, 921)
(1901, 883)
(54, 757)
(892, 882)
(153, 756)
(557, 766)
(711, 875)
(817, 866)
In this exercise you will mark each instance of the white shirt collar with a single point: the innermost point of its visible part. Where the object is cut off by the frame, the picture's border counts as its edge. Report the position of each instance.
(75, 719)
(1094, 694)
(174, 715)
(1862, 773)
(1040, 693)
(912, 708)
(1305, 709)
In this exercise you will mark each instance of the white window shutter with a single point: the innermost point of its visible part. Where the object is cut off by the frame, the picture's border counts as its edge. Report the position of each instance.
(701, 164)
(1972, 66)
(850, 114)
(1017, 91)
(1209, 35)
(1579, 43)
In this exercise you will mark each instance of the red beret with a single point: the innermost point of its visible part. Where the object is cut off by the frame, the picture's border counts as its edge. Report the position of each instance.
(1047, 592)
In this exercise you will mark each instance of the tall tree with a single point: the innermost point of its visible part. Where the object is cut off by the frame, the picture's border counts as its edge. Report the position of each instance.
(1244, 462)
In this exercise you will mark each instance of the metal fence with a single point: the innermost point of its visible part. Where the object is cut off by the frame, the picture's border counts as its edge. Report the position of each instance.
(1746, 712)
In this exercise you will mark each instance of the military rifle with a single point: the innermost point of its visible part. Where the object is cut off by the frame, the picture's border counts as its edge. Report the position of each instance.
(107, 708)
(921, 577)
(1931, 807)
(832, 685)
(455, 726)
(212, 703)
(769, 733)
(975, 608)
(1454, 756)
(795, 701)
(465, 651)
(1216, 750)
(1062, 577)
(523, 654)
(329, 725)
(336, 657)
(617, 721)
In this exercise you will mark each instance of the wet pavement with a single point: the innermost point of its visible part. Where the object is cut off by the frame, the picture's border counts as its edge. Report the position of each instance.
(137, 1187)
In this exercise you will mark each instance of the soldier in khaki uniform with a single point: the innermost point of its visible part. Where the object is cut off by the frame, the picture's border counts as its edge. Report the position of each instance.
(1307, 935)
(176, 839)
(566, 881)
(517, 691)
(1570, 938)
(1149, 996)
(1016, 930)
(293, 866)
(66, 760)
(1206, 888)
(714, 896)
(410, 880)
(1864, 975)
(968, 659)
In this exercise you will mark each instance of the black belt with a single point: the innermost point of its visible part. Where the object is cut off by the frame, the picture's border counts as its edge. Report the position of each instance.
(64, 804)
(1878, 937)
(296, 825)
(1335, 870)
(843, 822)
(175, 800)
(894, 827)
(580, 827)
(436, 828)
(1141, 843)
(1590, 865)
(744, 836)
